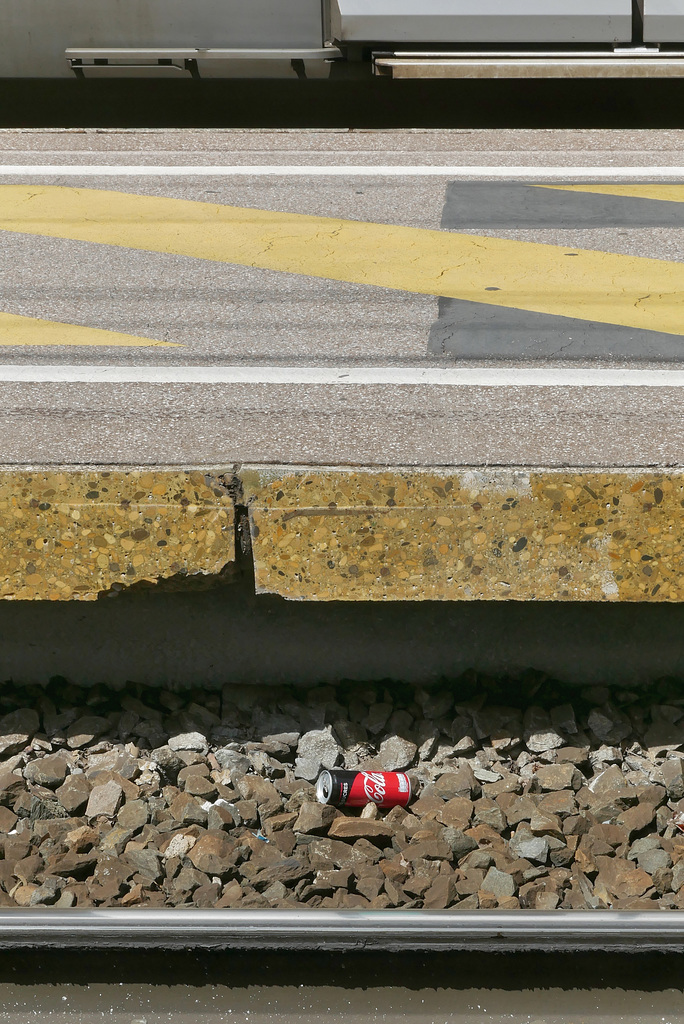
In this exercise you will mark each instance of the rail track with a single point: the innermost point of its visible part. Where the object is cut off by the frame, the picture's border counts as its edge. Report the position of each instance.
(392, 931)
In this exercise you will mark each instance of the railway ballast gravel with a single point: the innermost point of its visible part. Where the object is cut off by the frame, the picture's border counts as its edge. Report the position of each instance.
(528, 795)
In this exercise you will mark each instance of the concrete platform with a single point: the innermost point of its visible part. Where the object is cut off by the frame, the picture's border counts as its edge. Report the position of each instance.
(432, 346)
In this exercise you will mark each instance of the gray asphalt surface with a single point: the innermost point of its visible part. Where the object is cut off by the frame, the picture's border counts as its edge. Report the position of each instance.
(163, 987)
(221, 314)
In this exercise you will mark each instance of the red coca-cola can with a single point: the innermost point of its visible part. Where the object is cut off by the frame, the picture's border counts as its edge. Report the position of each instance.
(356, 789)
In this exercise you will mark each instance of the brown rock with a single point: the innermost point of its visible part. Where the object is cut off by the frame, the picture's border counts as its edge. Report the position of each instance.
(16, 730)
(189, 879)
(22, 894)
(469, 881)
(8, 820)
(98, 778)
(213, 854)
(441, 894)
(187, 810)
(459, 783)
(199, 786)
(115, 841)
(369, 886)
(428, 849)
(622, 878)
(428, 805)
(109, 879)
(516, 808)
(456, 813)
(562, 803)
(104, 800)
(487, 812)
(328, 881)
(133, 815)
(86, 730)
(288, 871)
(220, 819)
(74, 794)
(552, 777)
(360, 828)
(207, 895)
(72, 865)
(636, 819)
(267, 798)
(145, 862)
(47, 771)
(542, 823)
(28, 868)
(315, 818)
(82, 839)
(11, 786)
(247, 812)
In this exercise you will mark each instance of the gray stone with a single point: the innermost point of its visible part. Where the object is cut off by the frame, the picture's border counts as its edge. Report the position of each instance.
(395, 754)
(46, 771)
(84, 731)
(609, 724)
(146, 862)
(502, 725)
(168, 760)
(461, 732)
(563, 718)
(66, 900)
(377, 718)
(16, 730)
(498, 883)
(196, 741)
(653, 860)
(47, 894)
(233, 761)
(316, 750)
(539, 733)
(104, 800)
(133, 815)
(530, 847)
(459, 843)
(673, 777)
(642, 845)
(678, 876)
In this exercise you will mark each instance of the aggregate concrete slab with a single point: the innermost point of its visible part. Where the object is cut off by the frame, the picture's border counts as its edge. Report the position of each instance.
(479, 534)
(72, 535)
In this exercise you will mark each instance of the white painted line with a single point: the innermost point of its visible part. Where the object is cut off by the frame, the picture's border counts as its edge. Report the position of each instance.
(337, 171)
(482, 377)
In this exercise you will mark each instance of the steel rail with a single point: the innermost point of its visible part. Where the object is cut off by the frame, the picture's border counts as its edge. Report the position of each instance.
(389, 930)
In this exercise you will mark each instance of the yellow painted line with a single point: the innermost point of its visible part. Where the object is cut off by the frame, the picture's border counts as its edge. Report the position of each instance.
(668, 193)
(596, 286)
(28, 330)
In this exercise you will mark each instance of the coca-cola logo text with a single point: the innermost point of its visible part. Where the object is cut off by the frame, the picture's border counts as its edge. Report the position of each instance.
(374, 786)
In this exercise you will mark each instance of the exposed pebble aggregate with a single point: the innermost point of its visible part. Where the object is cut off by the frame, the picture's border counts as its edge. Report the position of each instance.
(527, 794)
